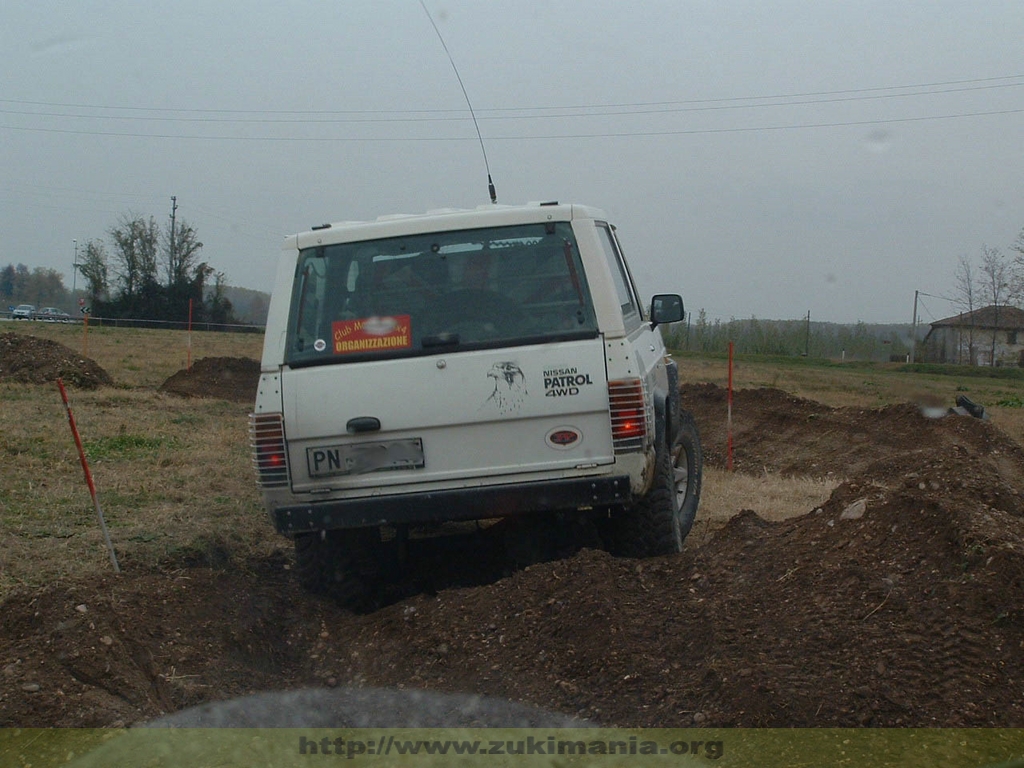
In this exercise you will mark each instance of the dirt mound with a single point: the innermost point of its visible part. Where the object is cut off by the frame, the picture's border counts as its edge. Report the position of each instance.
(899, 603)
(802, 624)
(33, 360)
(226, 378)
(120, 649)
(776, 432)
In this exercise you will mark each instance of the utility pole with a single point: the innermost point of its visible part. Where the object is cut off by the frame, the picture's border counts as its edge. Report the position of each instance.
(913, 330)
(807, 336)
(74, 271)
(173, 265)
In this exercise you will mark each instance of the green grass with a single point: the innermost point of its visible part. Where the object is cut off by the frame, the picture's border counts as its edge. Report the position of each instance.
(168, 471)
(965, 371)
(124, 447)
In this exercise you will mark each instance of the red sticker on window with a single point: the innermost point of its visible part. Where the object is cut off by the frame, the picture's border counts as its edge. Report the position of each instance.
(371, 334)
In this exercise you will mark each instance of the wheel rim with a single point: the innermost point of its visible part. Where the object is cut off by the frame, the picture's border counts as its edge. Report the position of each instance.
(680, 475)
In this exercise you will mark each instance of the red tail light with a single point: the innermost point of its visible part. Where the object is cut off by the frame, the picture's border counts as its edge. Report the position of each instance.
(629, 414)
(270, 459)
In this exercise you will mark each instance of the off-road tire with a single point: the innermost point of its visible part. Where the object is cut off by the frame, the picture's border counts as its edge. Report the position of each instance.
(341, 565)
(659, 521)
(687, 470)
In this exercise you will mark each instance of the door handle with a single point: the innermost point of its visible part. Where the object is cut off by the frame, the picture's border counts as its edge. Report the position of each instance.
(363, 424)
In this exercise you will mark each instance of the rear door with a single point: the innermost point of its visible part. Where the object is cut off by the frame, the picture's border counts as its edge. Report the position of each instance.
(463, 418)
(453, 356)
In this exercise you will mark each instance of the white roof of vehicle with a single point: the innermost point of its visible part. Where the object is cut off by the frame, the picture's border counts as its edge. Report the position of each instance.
(396, 225)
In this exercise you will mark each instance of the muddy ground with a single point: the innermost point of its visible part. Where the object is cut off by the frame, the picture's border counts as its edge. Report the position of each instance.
(900, 602)
(229, 378)
(34, 360)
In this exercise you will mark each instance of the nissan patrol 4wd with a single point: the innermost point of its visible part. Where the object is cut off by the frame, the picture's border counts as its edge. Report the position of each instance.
(466, 365)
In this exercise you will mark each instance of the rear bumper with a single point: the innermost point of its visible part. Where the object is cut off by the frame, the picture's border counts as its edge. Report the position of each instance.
(454, 504)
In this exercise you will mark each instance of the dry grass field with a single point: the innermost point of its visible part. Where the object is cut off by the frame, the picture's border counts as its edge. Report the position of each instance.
(141, 358)
(173, 475)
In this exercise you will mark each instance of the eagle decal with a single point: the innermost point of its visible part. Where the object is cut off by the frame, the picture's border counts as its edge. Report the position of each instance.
(509, 387)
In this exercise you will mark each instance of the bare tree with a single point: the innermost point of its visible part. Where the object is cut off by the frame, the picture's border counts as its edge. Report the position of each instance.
(965, 298)
(966, 289)
(135, 253)
(995, 275)
(93, 268)
(218, 306)
(1017, 272)
(994, 272)
(181, 247)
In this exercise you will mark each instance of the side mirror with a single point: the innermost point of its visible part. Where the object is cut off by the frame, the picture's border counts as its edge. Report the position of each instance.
(666, 308)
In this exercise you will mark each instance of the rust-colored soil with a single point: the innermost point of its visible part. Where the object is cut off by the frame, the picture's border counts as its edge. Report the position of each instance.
(900, 602)
(227, 378)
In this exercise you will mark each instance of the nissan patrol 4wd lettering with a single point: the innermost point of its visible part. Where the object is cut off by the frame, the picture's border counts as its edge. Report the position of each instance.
(466, 365)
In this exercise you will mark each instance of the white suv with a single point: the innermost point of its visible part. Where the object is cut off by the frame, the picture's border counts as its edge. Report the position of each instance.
(466, 365)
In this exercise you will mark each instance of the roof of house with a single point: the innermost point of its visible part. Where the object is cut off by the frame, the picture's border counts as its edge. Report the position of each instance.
(997, 317)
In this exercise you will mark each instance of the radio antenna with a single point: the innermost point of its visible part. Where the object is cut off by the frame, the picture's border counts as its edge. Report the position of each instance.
(487, 167)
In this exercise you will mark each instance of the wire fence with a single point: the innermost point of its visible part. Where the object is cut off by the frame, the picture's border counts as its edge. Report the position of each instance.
(127, 322)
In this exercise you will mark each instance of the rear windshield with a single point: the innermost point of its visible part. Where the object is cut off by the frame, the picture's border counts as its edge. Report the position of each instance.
(433, 293)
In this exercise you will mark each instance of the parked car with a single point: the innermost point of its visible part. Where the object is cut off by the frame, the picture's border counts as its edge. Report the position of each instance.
(24, 312)
(53, 315)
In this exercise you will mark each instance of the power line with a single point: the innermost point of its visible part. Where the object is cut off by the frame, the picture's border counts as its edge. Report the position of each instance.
(461, 117)
(644, 107)
(544, 137)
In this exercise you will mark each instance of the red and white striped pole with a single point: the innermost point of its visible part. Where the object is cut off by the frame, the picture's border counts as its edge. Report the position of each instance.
(728, 417)
(88, 474)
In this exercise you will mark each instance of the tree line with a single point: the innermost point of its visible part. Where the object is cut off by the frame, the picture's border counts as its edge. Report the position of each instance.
(40, 286)
(863, 341)
(153, 274)
(142, 272)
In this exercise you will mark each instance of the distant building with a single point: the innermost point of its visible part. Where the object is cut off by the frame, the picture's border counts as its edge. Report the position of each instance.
(988, 336)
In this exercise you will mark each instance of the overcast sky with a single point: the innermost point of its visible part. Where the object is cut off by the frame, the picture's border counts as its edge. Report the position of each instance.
(762, 158)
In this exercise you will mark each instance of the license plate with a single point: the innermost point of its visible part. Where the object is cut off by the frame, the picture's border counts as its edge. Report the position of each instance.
(360, 458)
